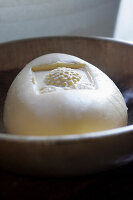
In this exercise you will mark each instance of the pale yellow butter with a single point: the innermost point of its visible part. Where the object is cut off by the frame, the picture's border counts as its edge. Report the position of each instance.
(59, 94)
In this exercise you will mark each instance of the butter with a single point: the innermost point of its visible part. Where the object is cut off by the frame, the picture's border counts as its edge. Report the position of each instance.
(56, 65)
(59, 94)
(63, 77)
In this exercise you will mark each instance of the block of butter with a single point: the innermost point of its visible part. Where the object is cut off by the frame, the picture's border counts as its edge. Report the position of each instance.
(60, 94)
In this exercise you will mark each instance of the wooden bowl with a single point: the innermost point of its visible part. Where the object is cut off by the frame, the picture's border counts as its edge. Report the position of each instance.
(71, 154)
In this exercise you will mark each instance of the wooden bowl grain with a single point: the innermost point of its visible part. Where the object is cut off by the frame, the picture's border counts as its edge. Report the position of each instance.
(68, 155)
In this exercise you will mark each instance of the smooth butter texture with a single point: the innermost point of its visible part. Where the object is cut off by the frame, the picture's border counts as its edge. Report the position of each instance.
(62, 99)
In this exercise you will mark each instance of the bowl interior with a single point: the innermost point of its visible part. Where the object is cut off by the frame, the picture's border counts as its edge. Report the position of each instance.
(114, 58)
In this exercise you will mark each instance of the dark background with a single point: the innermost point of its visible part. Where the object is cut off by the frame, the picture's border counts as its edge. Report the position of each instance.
(112, 184)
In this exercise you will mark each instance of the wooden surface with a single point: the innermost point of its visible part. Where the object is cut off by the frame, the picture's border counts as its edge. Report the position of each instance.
(112, 184)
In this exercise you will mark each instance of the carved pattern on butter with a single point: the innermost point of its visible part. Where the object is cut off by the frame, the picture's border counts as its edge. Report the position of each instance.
(62, 76)
(46, 67)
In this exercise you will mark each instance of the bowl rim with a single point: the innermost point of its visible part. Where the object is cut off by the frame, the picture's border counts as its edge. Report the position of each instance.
(70, 138)
(102, 38)
(73, 137)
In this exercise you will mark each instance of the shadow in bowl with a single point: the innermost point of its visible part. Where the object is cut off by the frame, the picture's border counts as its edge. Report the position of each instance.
(126, 88)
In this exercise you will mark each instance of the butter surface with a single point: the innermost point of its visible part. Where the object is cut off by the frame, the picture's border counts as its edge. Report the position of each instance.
(45, 67)
(59, 94)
